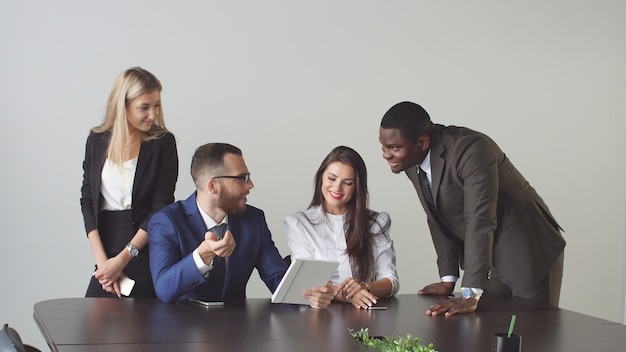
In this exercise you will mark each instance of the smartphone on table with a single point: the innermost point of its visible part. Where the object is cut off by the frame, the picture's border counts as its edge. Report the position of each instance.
(206, 302)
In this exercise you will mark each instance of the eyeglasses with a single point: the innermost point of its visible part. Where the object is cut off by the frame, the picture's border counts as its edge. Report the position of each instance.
(245, 178)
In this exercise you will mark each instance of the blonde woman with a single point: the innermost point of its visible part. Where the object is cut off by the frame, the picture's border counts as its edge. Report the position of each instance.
(129, 172)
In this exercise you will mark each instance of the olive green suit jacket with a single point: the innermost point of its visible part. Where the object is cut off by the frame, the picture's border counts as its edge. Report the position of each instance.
(488, 217)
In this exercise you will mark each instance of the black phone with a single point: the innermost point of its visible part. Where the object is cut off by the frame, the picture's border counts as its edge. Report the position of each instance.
(206, 302)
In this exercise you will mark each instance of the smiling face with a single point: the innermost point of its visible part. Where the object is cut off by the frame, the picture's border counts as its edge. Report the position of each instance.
(338, 187)
(142, 111)
(402, 153)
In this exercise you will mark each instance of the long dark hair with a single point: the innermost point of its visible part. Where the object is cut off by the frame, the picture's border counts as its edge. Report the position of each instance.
(358, 220)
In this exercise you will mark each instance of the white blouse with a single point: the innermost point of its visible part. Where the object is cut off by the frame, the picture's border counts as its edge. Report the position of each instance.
(314, 234)
(117, 186)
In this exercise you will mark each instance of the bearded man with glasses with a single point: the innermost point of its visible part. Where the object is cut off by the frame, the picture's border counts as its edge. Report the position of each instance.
(208, 245)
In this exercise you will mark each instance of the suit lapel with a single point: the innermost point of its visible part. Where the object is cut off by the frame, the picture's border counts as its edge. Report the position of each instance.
(143, 160)
(437, 162)
(413, 175)
(233, 227)
(99, 157)
(194, 219)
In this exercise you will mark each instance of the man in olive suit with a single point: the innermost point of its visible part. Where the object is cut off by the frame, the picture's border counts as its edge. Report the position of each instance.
(484, 217)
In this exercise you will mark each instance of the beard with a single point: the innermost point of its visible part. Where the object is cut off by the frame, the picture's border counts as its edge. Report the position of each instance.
(231, 203)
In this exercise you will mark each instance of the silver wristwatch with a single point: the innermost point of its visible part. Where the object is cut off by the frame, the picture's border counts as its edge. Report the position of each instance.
(132, 250)
(468, 293)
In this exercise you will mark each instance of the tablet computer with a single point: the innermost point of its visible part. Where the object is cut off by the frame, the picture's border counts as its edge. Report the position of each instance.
(303, 274)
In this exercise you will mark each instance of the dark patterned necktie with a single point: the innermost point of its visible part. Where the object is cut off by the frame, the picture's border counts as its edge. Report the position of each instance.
(428, 195)
(219, 263)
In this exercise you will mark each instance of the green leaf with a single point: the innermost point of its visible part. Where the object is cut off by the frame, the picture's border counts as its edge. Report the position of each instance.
(386, 344)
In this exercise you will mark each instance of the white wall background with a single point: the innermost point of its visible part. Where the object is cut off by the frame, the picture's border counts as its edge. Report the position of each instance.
(289, 80)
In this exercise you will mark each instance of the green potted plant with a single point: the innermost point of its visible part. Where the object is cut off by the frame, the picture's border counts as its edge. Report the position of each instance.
(386, 344)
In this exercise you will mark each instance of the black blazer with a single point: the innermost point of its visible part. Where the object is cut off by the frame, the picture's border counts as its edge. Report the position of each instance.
(154, 184)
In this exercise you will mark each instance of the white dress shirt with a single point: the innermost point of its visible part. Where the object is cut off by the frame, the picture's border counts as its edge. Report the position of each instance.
(116, 185)
(314, 234)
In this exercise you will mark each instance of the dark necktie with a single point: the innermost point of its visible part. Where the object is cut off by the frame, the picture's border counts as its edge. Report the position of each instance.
(219, 263)
(428, 195)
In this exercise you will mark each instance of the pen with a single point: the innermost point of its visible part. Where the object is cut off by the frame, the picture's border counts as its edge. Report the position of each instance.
(376, 308)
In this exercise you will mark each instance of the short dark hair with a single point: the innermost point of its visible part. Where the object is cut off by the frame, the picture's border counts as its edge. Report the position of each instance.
(209, 158)
(410, 118)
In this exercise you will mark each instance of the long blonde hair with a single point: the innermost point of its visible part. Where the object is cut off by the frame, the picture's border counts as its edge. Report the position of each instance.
(130, 84)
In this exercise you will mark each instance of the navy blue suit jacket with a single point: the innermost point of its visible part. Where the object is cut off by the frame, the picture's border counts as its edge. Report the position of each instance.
(177, 230)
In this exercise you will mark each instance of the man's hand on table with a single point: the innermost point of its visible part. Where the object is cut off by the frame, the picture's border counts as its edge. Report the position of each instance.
(453, 306)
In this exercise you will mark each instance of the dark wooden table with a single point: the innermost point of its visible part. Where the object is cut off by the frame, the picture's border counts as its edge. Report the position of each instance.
(104, 324)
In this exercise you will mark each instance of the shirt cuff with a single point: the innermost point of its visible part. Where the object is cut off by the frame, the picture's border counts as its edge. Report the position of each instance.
(202, 268)
(449, 278)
